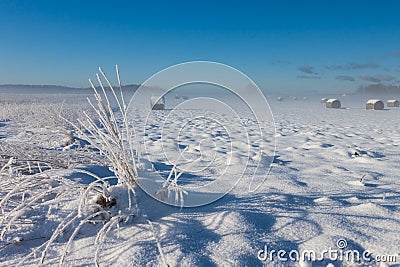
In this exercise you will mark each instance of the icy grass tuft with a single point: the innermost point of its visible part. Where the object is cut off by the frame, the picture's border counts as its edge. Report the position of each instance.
(115, 141)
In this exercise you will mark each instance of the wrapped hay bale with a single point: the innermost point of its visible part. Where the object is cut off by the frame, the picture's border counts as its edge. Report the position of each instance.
(333, 103)
(157, 103)
(375, 104)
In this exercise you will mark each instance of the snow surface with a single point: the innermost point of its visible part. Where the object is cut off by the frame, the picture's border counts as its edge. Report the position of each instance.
(334, 175)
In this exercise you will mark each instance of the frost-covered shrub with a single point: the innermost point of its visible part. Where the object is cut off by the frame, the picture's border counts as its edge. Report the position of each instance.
(109, 130)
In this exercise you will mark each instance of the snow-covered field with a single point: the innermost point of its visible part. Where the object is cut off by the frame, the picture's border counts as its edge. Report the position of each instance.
(333, 178)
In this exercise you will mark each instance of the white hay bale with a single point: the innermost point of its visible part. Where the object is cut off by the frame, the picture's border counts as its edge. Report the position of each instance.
(393, 103)
(375, 104)
(333, 103)
(280, 98)
(323, 100)
(157, 103)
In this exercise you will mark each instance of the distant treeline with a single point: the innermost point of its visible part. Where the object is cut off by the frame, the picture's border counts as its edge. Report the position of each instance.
(25, 88)
(379, 89)
(58, 87)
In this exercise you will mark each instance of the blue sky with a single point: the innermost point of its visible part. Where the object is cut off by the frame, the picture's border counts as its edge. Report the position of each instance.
(282, 45)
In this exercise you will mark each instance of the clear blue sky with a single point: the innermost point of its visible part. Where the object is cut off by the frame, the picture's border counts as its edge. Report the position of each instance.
(282, 45)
